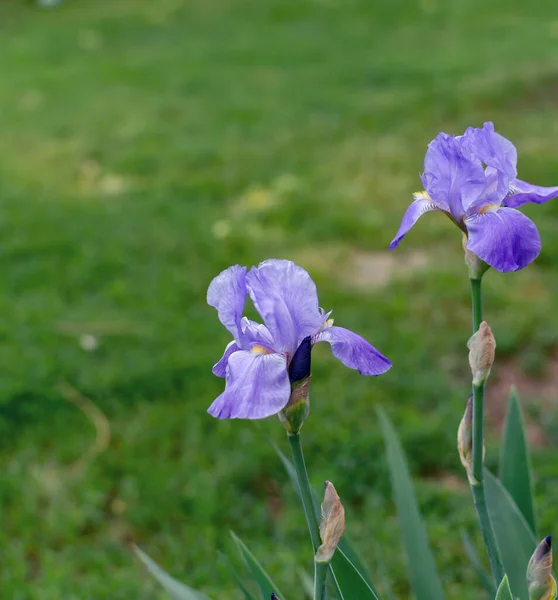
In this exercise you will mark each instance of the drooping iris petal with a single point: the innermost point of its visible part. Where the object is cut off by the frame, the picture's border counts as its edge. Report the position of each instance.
(417, 208)
(354, 351)
(257, 386)
(220, 367)
(450, 177)
(286, 298)
(227, 293)
(505, 239)
(523, 192)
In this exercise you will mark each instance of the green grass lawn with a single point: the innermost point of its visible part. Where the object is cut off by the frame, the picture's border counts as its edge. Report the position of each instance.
(144, 147)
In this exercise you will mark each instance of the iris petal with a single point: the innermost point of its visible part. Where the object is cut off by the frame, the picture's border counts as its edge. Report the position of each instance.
(227, 293)
(450, 177)
(220, 367)
(354, 351)
(416, 209)
(493, 149)
(500, 157)
(286, 298)
(257, 386)
(523, 192)
(505, 239)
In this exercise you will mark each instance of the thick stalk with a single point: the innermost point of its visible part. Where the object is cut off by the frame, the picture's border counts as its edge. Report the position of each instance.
(320, 577)
(477, 487)
(305, 491)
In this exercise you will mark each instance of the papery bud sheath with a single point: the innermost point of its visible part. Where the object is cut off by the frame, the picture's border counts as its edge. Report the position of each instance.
(332, 524)
(482, 348)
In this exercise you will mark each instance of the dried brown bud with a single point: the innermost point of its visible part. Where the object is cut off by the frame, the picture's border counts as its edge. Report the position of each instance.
(482, 347)
(332, 524)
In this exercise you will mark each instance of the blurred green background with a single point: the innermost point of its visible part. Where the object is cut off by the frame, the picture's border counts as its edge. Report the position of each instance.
(144, 147)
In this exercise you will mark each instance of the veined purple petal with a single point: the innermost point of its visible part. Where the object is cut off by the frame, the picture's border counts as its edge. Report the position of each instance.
(354, 351)
(416, 209)
(450, 177)
(220, 367)
(257, 386)
(505, 239)
(493, 149)
(500, 156)
(523, 192)
(255, 334)
(493, 193)
(286, 298)
(227, 293)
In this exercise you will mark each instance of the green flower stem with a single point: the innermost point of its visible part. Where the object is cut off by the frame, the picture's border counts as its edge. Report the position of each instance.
(320, 578)
(476, 297)
(477, 487)
(320, 569)
(305, 492)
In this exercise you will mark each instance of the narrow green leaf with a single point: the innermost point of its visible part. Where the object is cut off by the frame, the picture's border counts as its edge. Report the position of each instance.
(344, 545)
(472, 555)
(177, 590)
(307, 583)
(228, 565)
(381, 571)
(349, 582)
(267, 586)
(515, 538)
(515, 464)
(504, 591)
(425, 581)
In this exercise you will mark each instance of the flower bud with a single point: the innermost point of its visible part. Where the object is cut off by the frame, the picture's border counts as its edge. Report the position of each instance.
(301, 363)
(298, 407)
(477, 267)
(482, 346)
(541, 583)
(332, 524)
(465, 440)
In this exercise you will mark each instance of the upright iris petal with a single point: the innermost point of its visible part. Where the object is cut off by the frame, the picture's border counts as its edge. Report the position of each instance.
(286, 298)
(263, 362)
(450, 178)
(473, 179)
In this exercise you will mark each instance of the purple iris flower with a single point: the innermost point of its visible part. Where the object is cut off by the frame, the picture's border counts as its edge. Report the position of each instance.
(473, 179)
(262, 360)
